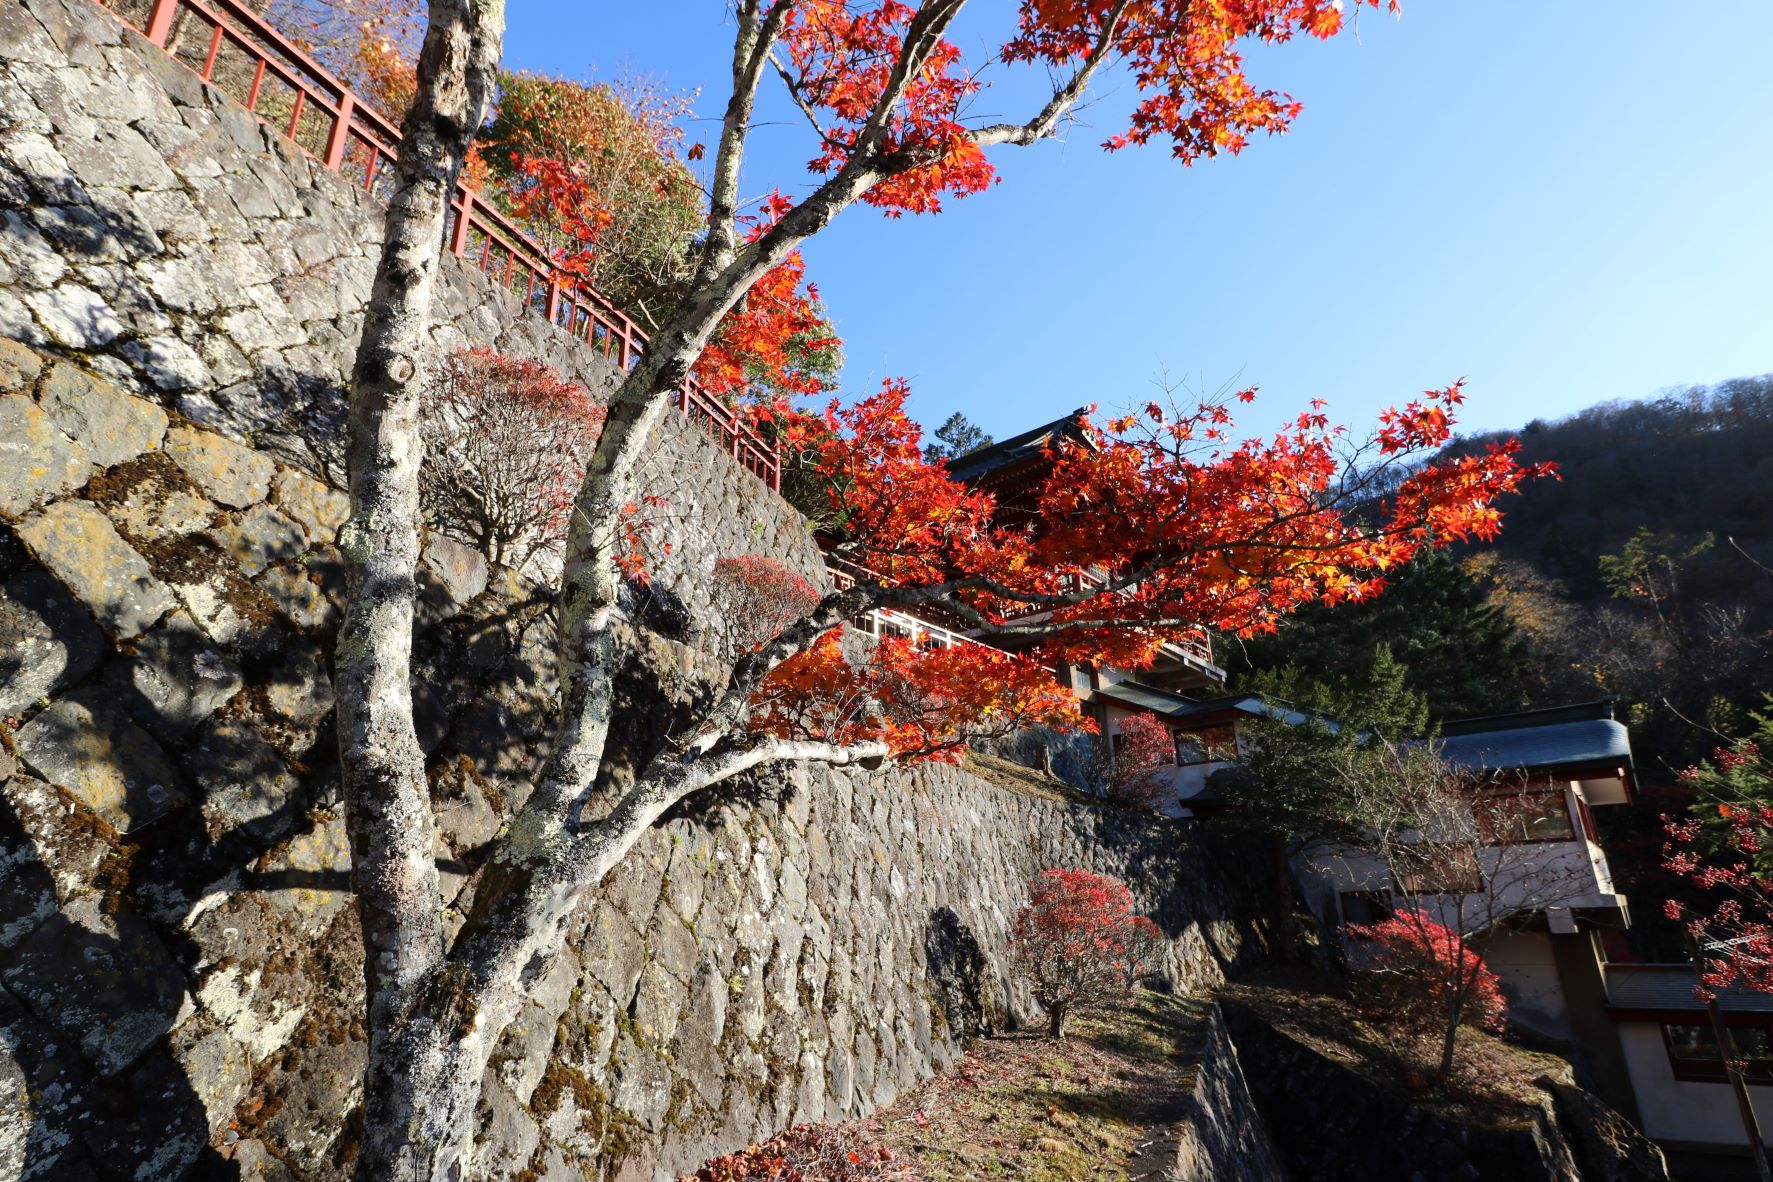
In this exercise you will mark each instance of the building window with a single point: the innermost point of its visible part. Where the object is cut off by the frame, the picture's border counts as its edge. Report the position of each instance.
(1438, 868)
(1508, 817)
(1590, 831)
(1365, 907)
(1693, 1051)
(1207, 744)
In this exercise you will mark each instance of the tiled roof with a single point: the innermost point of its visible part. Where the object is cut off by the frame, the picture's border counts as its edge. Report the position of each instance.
(976, 465)
(1670, 987)
(1563, 744)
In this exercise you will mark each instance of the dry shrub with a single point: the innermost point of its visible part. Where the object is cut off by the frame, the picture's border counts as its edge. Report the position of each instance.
(808, 1153)
(755, 598)
(506, 442)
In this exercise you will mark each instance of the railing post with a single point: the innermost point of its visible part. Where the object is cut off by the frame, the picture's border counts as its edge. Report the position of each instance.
(340, 139)
(164, 16)
(458, 239)
(160, 21)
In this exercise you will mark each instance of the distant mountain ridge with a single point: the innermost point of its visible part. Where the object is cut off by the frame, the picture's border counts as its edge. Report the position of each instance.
(1686, 462)
(1644, 572)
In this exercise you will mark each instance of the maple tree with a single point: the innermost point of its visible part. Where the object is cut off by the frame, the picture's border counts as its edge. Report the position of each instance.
(777, 343)
(1149, 525)
(614, 207)
(918, 702)
(1142, 532)
(506, 441)
(1723, 847)
(1425, 981)
(1078, 942)
(595, 173)
(1130, 770)
(1146, 528)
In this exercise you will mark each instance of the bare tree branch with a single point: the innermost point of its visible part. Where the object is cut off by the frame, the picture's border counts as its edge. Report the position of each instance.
(793, 89)
(1064, 99)
(751, 50)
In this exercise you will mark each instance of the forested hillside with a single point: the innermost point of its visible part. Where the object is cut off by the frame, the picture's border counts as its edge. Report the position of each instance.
(1642, 573)
(1686, 463)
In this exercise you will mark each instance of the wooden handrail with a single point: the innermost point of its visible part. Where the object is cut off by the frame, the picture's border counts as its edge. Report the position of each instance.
(357, 136)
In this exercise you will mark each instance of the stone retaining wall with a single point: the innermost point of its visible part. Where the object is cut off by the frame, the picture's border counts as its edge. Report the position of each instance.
(180, 977)
(1222, 1136)
(152, 227)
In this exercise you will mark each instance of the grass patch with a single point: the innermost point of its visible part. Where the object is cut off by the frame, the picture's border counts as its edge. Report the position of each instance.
(1013, 777)
(1023, 1106)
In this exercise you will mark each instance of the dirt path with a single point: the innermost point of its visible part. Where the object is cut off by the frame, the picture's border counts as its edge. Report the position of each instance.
(1100, 1106)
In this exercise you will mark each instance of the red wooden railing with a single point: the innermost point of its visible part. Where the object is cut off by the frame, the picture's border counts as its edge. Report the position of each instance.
(886, 622)
(928, 634)
(228, 45)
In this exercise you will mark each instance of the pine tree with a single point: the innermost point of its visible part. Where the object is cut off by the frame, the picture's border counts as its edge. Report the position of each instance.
(1299, 778)
(1462, 653)
(958, 436)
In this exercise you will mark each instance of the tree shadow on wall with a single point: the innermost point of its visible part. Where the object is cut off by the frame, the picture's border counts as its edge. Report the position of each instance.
(1200, 878)
(91, 1083)
(959, 975)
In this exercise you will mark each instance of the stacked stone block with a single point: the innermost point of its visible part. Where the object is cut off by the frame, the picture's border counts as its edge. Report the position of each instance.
(180, 972)
(152, 227)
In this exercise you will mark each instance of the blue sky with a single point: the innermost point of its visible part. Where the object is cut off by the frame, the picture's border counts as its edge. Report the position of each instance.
(1564, 202)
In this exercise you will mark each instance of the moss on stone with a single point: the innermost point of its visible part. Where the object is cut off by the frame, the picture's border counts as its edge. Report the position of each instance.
(113, 876)
(617, 1132)
(190, 560)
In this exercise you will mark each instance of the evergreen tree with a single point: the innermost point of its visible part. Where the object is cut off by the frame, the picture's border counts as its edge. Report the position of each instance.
(1463, 654)
(955, 438)
(1307, 779)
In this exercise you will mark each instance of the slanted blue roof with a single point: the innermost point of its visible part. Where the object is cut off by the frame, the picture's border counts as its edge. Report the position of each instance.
(1670, 988)
(1563, 744)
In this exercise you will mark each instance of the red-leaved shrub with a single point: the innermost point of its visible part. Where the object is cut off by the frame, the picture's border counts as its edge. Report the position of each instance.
(506, 442)
(807, 1153)
(1078, 941)
(1423, 981)
(756, 597)
(1131, 768)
